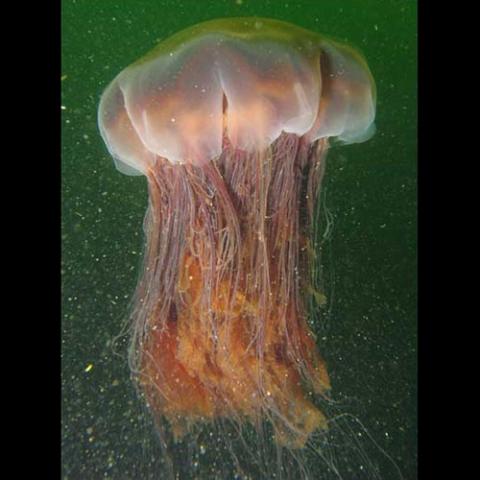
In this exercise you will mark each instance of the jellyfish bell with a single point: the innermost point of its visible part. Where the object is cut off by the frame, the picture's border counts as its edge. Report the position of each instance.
(251, 79)
(230, 122)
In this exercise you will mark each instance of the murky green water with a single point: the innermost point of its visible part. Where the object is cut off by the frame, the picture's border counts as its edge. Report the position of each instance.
(370, 261)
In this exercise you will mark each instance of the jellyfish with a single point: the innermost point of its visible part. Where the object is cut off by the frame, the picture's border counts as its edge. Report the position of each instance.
(230, 122)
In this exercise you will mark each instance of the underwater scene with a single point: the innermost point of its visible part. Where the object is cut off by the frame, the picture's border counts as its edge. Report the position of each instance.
(239, 240)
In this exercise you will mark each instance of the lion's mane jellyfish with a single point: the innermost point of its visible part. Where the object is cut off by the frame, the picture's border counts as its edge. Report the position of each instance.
(230, 122)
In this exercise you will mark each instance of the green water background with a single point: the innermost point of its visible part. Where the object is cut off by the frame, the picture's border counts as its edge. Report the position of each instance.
(369, 334)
